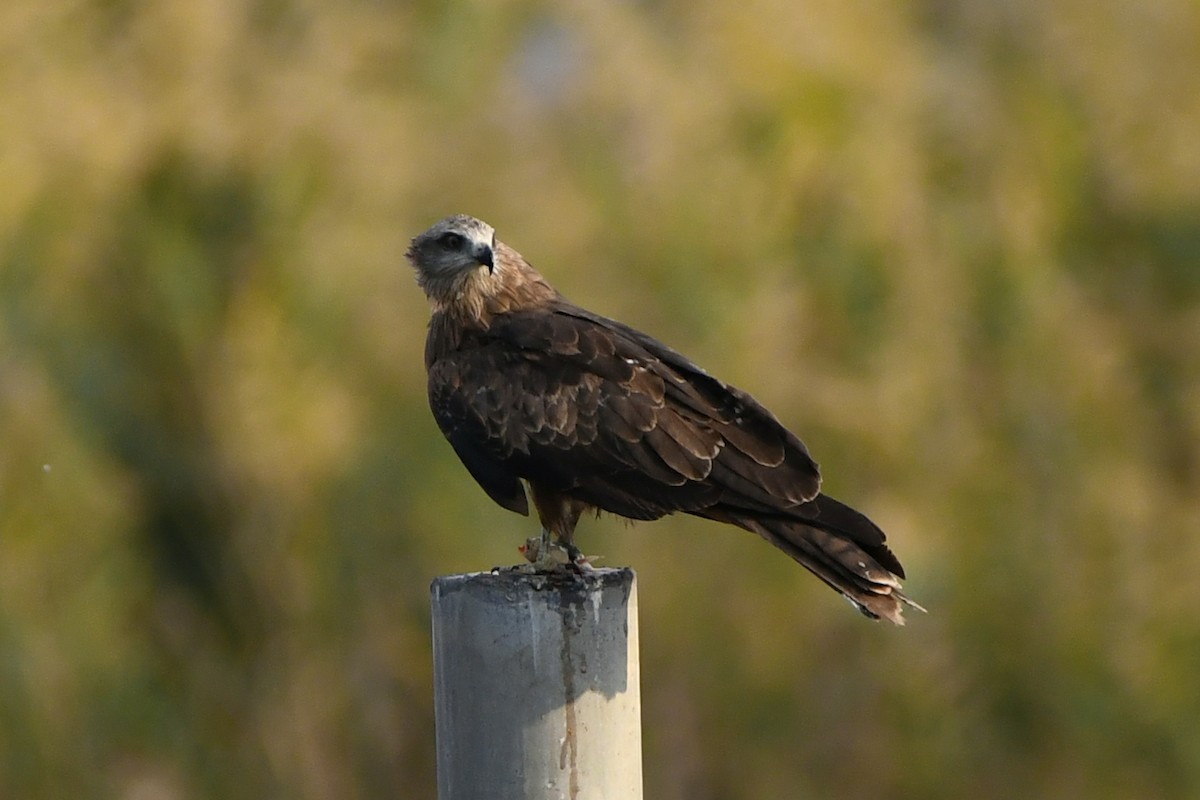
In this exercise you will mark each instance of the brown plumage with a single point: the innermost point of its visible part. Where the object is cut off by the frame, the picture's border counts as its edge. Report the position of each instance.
(592, 414)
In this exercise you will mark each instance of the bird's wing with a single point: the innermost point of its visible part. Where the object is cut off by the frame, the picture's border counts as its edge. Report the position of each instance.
(466, 395)
(601, 412)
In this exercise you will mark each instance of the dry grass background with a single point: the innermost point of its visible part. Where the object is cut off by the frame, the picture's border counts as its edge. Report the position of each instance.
(955, 245)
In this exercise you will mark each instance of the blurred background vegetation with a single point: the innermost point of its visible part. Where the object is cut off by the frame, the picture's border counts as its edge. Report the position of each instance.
(955, 245)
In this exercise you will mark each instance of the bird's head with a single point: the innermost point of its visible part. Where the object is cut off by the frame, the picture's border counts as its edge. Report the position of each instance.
(464, 269)
(452, 249)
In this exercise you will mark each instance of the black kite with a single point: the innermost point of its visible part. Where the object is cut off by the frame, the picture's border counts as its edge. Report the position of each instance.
(594, 415)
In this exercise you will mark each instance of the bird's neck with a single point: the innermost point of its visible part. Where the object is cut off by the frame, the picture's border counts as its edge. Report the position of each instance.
(475, 299)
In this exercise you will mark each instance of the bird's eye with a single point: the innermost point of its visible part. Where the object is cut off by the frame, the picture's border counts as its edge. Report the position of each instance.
(450, 240)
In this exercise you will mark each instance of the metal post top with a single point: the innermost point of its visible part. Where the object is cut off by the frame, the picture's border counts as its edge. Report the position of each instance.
(556, 580)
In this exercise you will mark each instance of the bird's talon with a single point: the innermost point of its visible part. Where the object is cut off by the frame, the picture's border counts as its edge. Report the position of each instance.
(578, 560)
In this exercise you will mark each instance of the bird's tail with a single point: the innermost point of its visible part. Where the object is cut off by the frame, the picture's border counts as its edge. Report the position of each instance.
(843, 548)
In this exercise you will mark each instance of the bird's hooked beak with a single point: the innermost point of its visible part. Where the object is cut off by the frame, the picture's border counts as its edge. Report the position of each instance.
(482, 253)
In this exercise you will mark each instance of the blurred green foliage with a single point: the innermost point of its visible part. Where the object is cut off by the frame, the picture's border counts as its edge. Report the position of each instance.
(955, 245)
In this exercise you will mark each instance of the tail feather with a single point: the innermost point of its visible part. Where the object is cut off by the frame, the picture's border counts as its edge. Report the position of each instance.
(845, 567)
(844, 549)
(835, 516)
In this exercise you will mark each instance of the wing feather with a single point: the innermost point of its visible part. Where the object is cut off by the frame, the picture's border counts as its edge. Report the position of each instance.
(683, 463)
(610, 416)
(466, 433)
(695, 436)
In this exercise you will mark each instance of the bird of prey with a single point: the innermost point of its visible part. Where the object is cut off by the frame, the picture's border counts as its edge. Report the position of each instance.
(593, 415)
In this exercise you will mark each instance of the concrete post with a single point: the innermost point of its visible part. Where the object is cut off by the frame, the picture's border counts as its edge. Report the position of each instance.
(536, 686)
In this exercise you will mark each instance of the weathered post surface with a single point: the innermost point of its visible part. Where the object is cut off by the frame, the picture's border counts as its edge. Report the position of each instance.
(536, 686)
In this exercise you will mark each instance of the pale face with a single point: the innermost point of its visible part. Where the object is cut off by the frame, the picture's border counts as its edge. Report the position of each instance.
(451, 249)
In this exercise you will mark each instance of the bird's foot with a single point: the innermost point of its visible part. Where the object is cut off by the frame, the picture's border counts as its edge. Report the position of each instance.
(579, 561)
(546, 555)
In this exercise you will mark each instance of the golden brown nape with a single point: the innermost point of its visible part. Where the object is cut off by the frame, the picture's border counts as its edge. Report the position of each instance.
(533, 391)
